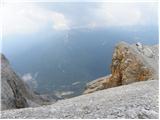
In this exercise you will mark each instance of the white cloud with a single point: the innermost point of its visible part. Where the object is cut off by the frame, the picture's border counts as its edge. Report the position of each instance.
(59, 20)
(28, 17)
(92, 24)
(76, 83)
(30, 80)
(23, 18)
(63, 94)
(124, 14)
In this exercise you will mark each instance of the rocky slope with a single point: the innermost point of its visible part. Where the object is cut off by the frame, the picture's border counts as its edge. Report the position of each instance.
(14, 92)
(136, 100)
(130, 63)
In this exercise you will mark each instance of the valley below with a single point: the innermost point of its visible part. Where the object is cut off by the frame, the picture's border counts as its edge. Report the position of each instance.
(130, 91)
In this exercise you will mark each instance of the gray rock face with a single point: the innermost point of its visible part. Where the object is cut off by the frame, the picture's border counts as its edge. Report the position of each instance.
(14, 92)
(137, 100)
(149, 55)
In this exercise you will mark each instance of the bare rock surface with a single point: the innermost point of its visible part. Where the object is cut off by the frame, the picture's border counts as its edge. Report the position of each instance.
(130, 63)
(95, 85)
(14, 92)
(136, 100)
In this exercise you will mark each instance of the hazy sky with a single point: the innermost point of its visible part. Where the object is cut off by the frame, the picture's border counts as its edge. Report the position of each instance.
(23, 21)
(26, 18)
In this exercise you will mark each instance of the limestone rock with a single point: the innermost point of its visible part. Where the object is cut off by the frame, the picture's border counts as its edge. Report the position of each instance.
(130, 63)
(95, 85)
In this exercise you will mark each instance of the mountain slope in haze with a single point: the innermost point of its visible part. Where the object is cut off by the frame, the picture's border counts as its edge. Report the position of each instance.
(14, 92)
(78, 55)
(130, 63)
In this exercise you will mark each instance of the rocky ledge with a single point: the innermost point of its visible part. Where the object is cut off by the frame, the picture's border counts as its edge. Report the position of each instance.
(137, 100)
(130, 63)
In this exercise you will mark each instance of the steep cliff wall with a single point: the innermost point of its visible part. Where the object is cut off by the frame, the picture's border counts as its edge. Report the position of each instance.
(14, 92)
(130, 63)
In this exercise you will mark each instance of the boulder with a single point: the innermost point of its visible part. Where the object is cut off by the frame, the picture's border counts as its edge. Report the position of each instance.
(130, 63)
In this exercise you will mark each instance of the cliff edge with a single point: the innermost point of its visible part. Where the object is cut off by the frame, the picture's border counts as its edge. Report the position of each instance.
(14, 92)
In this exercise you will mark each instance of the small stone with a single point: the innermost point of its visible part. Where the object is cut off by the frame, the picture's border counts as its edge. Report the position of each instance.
(139, 46)
(148, 52)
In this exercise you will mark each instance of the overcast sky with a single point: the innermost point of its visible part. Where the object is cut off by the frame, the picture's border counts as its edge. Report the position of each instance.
(24, 18)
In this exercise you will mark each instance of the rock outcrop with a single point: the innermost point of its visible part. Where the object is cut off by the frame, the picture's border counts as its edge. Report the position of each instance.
(95, 85)
(130, 63)
(14, 92)
(134, 101)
